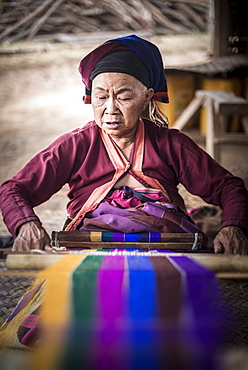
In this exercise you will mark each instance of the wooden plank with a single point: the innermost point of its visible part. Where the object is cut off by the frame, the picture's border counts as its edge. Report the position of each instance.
(222, 263)
(225, 102)
(85, 236)
(128, 245)
(236, 138)
(217, 95)
(224, 266)
(210, 128)
(189, 112)
(233, 108)
(232, 275)
(82, 239)
(31, 261)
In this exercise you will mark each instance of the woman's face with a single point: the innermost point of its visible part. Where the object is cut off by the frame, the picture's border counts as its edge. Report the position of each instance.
(118, 100)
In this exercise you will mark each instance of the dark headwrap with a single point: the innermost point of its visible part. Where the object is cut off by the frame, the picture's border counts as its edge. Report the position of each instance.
(145, 64)
(124, 61)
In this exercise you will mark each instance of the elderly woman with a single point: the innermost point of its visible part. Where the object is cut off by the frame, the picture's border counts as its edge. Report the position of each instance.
(123, 170)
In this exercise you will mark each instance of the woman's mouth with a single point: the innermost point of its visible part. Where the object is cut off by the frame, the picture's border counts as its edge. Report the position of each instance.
(113, 125)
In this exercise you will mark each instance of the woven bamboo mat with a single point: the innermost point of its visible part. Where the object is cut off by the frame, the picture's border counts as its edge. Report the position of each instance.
(235, 309)
(13, 284)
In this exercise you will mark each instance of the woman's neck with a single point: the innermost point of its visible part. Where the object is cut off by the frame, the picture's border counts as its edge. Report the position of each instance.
(125, 144)
(125, 147)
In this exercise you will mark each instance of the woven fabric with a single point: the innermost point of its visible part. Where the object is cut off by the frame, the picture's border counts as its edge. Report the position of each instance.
(122, 311)
(107, 236)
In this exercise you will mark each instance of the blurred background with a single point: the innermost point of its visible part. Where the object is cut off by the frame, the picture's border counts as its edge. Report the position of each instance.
(204, 45)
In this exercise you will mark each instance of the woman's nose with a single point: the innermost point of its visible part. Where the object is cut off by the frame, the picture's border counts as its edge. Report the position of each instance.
(111, 107)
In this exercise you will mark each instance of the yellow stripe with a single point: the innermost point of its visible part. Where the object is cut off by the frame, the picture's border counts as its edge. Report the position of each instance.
(96, 236)
(152, 190)
(56, 311)
(57, 291)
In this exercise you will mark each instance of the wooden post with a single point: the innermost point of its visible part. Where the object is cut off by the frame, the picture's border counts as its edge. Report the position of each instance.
(210, 127)
(189, 112)
(230, 27)
(221, 27)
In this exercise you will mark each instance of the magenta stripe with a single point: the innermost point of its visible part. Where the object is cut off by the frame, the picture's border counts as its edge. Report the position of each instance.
(110, 303)
(110, 308)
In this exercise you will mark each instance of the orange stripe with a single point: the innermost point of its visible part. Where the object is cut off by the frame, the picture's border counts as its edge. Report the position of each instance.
(138, 160)
(116, 156)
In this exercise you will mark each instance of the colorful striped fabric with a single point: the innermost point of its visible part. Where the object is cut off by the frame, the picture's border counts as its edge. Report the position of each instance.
(108, 236)
(125, 310)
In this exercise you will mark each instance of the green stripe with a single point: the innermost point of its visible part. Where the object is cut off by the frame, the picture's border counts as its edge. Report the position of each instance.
(84, 287)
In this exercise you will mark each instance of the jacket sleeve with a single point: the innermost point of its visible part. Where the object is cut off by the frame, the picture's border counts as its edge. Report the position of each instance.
(44, 175)
(31, 186)
(203, 176)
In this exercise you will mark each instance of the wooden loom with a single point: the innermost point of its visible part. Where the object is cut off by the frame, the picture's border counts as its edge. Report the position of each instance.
(56, 270)
(226, 267)
(79, 242)
(82, 240)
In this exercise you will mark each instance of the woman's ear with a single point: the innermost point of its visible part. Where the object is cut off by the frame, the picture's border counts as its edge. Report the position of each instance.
(149, 95)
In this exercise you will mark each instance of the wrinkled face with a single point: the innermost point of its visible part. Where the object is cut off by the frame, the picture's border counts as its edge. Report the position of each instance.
(118, 100)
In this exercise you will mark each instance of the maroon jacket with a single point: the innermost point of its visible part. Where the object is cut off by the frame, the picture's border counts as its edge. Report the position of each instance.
(80, 159)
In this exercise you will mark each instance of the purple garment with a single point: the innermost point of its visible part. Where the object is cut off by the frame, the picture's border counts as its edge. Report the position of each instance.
(147, 217)
(170, 156)
(113, 218)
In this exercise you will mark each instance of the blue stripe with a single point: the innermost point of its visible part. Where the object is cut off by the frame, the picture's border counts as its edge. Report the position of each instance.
(154, 237)
(142, 307)
(142, 295)
(131, 237)
(109, 236)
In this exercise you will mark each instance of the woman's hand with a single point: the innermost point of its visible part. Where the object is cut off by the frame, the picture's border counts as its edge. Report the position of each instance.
(32, 235)
(231, 240)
